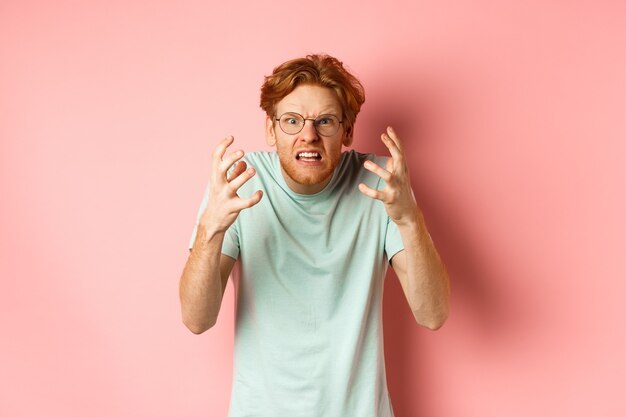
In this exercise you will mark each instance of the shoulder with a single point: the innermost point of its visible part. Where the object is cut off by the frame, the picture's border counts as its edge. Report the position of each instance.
(356, 159)
(261, 160)
(260, 156)
(352, 170)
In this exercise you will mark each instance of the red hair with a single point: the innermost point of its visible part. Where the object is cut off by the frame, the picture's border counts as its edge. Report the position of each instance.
(323, 70)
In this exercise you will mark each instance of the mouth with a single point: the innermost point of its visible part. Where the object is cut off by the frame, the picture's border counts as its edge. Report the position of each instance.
(308, 156)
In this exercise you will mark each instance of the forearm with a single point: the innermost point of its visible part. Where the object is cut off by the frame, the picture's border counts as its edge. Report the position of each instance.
(427, 283)
(206, 271)
(201, 282)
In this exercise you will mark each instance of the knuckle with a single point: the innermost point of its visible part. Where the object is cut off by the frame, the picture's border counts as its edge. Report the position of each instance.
(232, 158)
(231, 188)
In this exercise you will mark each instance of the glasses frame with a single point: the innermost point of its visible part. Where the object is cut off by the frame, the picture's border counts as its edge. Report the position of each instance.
(315, 125)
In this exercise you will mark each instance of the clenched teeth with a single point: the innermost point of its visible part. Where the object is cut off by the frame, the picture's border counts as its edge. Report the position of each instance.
(309, 155)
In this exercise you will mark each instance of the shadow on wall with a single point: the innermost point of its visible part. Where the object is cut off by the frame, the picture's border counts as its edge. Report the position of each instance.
(422, 107)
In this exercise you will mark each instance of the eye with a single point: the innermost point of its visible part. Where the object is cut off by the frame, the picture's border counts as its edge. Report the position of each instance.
(291, 119)
(324, 121)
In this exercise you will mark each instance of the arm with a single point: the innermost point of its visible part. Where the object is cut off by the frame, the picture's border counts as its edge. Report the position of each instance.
(206, 272)
(423, 276)
(419, 268)
(203, 282)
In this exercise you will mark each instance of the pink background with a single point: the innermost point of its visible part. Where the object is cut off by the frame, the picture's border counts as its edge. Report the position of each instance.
(513, 114)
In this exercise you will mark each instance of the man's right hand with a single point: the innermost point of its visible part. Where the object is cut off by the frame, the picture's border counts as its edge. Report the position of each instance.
(224, 204)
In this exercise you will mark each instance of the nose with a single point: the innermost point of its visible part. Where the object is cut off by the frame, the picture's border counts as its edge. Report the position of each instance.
(308, 132)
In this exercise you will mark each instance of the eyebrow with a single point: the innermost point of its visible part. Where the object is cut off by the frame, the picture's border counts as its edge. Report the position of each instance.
(318, 115)
(326, 110)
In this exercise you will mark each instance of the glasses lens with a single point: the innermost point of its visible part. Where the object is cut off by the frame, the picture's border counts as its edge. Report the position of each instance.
(291, 123)
(327, 124)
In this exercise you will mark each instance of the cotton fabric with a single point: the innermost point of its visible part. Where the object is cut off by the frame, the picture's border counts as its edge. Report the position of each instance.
(308, 331)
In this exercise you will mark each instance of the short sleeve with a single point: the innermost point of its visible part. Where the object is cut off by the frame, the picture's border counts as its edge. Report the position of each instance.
(393, 240)
(230, 246)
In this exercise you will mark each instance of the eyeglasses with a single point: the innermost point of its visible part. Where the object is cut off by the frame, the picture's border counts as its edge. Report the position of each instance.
(325, 124)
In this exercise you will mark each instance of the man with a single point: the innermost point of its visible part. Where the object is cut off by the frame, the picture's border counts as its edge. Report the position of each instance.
(313, 229)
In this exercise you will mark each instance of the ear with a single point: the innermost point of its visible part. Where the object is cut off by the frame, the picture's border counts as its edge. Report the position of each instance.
(270, 133)
(348, 136)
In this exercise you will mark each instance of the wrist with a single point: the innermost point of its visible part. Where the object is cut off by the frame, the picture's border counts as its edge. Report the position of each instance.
(208, 236)
(413, 221)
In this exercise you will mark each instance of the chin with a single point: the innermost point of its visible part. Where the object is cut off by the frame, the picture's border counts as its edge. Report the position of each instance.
(307, 178)
(307, 175)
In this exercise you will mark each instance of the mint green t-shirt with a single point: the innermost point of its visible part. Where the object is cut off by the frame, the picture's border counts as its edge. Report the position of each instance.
(308, 330)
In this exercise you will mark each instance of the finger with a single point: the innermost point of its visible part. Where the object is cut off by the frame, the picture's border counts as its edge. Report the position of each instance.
(220, 149)
(237, 182)
(240, 167)
(218, 173)
(394, 136)
(370, 192)
(394, 150)
(242, 204)
(376, 169)
(230, 159)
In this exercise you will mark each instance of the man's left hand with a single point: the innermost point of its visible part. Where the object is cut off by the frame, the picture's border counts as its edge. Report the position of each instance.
(397, 195)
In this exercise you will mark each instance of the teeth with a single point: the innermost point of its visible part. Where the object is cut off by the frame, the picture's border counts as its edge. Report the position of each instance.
(308, 155)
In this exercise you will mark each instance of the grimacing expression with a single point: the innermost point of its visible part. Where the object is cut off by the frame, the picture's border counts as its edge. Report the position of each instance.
(308, 159)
